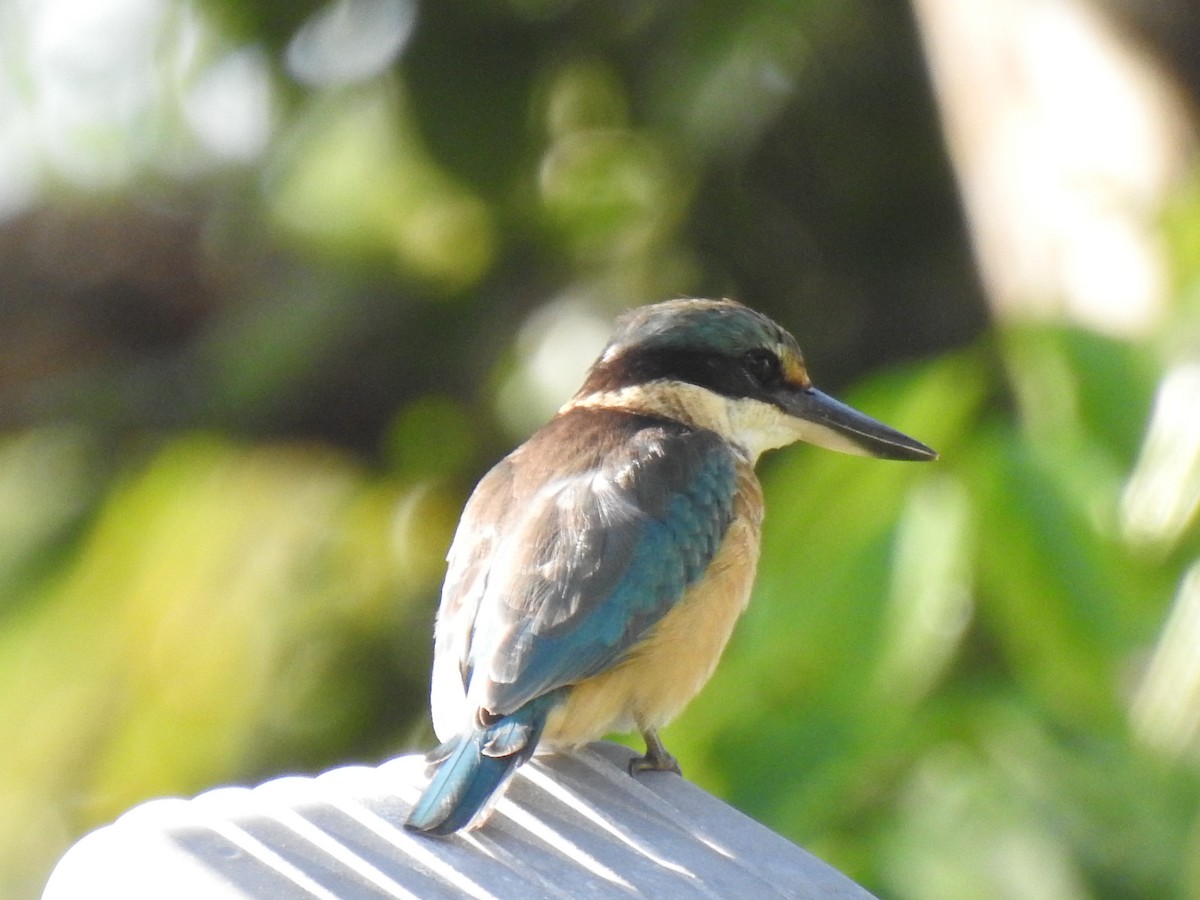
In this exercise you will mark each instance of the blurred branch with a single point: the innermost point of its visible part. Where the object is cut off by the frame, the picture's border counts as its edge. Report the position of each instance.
(1066, 139)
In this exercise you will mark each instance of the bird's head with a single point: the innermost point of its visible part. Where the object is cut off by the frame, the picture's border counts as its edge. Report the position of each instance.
(720, 365)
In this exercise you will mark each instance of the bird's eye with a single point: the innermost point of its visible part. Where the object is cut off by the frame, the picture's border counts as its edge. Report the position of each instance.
(763, 366)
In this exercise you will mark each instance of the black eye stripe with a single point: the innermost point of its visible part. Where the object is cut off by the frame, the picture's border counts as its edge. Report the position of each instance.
(746, 375)
(763, 366)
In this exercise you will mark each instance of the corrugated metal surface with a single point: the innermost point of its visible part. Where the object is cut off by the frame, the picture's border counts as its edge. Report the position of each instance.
(571, 826)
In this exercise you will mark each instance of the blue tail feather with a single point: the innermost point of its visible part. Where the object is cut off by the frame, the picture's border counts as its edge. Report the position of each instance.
(474, 766)
(460, 788)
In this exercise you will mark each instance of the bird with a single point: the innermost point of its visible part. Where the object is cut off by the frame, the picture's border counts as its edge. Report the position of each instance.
(598, 570)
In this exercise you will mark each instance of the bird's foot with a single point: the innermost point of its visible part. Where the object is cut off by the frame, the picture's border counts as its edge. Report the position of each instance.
(657, 758)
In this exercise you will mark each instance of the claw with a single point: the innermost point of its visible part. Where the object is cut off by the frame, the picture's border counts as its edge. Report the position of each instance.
(657, 758)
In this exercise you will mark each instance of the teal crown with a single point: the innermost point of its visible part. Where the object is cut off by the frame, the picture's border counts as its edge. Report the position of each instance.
(722, 327)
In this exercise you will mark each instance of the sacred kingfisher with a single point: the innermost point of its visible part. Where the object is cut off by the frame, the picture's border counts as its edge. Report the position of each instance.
(599, 568)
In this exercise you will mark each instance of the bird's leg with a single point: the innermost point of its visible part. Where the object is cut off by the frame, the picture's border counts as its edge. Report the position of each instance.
(657, 759)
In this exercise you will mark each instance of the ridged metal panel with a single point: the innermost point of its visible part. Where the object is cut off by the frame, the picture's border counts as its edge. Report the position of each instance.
(571, 826)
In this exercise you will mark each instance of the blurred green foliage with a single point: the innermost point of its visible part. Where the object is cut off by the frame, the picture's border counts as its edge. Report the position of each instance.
(276, 293)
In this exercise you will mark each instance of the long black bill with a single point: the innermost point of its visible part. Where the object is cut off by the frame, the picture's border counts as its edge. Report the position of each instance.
(832, 424)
